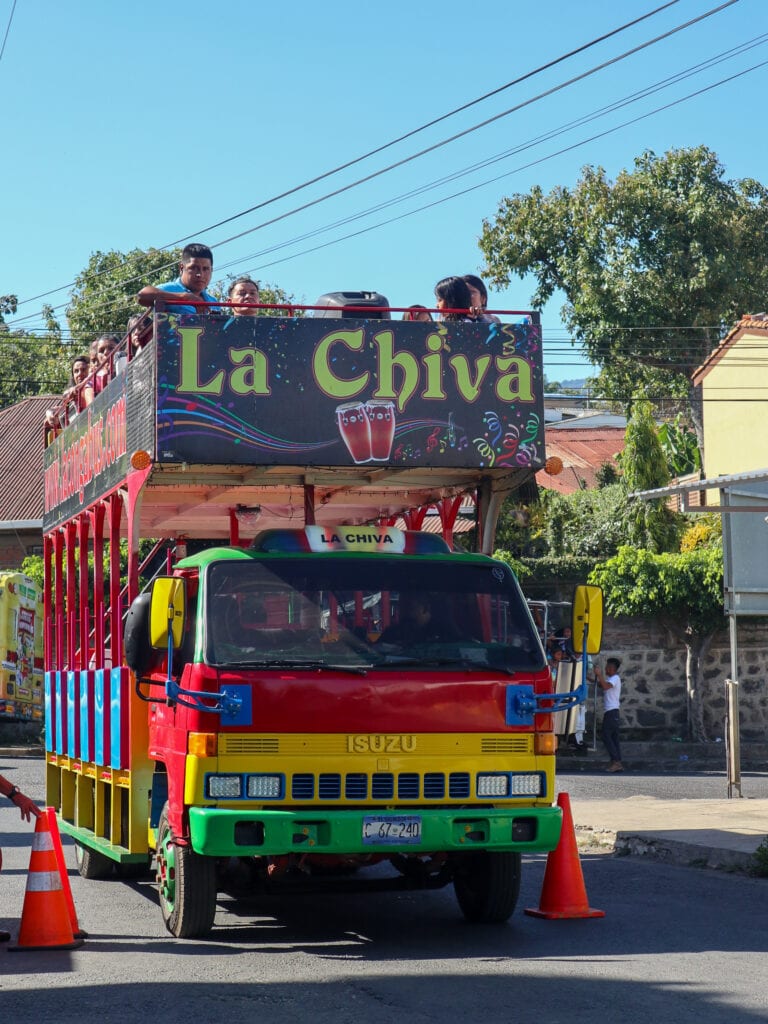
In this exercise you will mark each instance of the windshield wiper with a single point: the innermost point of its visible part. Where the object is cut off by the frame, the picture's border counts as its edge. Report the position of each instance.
(297, 663)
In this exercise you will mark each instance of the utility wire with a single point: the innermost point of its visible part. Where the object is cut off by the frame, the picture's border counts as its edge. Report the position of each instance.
(7, 29)
(421, 128)
(521, 147)
(507, 174)
(559, 152)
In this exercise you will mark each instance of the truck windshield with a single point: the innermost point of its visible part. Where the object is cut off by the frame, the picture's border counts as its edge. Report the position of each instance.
(368, 614)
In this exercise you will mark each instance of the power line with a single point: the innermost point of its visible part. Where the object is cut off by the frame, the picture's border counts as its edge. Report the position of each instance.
(7, 29)
(641, 94)
(553, 133)
(523, 167)
(438, 145)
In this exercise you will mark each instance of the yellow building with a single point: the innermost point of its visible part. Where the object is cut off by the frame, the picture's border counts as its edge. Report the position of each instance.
(734, 387)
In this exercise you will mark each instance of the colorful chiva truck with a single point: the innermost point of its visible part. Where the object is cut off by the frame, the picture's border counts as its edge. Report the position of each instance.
(310, 691)
(21, 648)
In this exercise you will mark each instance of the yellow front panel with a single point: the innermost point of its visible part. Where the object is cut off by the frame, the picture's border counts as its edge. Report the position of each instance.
(428, 762)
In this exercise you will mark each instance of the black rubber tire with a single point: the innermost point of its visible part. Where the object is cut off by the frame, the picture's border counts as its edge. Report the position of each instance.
(93, 865)
(134, 870)
(487, 885)
(188, 899)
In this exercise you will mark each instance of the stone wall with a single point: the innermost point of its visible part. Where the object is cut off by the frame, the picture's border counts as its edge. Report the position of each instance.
(653, 699)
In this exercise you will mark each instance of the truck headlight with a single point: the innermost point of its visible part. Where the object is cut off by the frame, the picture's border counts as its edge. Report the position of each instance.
(526, 784)
(225, 787)
(490, 784)
(265, 787)
(496, 784)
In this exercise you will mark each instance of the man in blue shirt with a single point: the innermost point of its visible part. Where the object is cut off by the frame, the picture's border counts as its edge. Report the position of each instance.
(195, 272)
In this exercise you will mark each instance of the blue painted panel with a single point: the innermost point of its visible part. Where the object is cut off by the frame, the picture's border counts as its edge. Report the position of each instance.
(118, 717)
(100, 719)
(49, 705)
(73, 718)
(86, 708)
(59, 712)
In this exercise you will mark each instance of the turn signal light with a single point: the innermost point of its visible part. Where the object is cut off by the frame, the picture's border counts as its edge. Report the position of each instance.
(544, 743)
(202, 744)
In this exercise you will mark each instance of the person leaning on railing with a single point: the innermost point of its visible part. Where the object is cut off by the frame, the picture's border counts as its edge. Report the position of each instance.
(189, 289)
(78, 395)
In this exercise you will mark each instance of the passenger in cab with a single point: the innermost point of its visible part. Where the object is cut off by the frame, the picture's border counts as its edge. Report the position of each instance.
(479, 295)
(419, 622)
(189, 289)
(453, 293)
(417, 313)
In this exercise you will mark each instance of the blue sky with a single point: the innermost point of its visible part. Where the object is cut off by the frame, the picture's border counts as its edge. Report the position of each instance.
(134, 125)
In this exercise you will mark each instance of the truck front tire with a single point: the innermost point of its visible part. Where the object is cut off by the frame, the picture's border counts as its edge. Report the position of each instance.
(487, 885)
(187, 885)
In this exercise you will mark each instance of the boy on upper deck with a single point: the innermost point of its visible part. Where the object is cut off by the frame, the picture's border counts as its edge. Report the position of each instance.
(195, 272)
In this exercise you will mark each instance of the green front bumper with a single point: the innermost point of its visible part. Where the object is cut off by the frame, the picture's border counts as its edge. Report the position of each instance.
(217, 832)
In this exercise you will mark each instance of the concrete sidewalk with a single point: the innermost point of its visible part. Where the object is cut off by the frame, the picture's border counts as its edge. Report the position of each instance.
(722, 834)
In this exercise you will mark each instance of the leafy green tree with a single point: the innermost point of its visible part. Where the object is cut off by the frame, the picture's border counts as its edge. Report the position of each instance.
(104, 296)
(607, 474)
(684, 593)
(8, 304)
(588, 523)
(654, 265)
(652, 524)
(31, 364)
(678, 442)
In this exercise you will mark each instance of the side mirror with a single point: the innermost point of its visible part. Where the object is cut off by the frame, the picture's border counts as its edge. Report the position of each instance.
(587, 620)
(167, 612)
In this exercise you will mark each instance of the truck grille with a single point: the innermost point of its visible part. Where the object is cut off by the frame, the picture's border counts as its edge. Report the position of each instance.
(380, 786)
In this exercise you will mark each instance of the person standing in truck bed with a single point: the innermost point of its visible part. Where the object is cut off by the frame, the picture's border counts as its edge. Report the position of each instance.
(189, 289)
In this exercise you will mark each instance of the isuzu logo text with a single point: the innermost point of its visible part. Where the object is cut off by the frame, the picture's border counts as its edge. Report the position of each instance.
(381, 744)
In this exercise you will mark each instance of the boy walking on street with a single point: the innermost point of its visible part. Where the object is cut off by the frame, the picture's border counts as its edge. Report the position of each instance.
(610, 683)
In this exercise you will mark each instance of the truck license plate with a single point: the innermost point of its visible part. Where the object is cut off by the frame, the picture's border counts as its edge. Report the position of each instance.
(396, 829)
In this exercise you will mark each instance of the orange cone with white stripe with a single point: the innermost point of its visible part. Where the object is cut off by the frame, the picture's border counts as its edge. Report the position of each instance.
(58, 849)
(45, 922)
(564, 894)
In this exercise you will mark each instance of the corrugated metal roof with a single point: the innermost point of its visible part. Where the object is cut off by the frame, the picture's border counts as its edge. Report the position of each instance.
(21, 459)
(582, 452)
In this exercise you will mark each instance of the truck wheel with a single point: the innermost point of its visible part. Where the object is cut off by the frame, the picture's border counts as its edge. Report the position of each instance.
(487, 885)
(187, 885)
(91, 864)
(134, 870)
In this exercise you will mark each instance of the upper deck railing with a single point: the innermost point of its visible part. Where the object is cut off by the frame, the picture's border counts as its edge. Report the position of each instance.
(220, 390)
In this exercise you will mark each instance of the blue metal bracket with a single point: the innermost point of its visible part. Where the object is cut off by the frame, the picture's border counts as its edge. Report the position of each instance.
(523, 703)
(229, 703)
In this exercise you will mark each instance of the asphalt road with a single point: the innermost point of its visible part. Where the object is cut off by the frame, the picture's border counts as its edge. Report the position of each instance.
(693, 786)
(677, 946)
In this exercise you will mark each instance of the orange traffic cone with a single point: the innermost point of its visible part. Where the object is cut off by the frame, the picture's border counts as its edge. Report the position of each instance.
(45, 920)
(61, 863)
(563, 894)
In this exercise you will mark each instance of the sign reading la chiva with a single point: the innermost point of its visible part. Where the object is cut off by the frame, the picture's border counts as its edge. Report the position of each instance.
(302, 391)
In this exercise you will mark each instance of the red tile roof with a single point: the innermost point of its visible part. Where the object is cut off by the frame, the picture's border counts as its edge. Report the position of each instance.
(582, 452)
(21, 459)
(751, 322)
